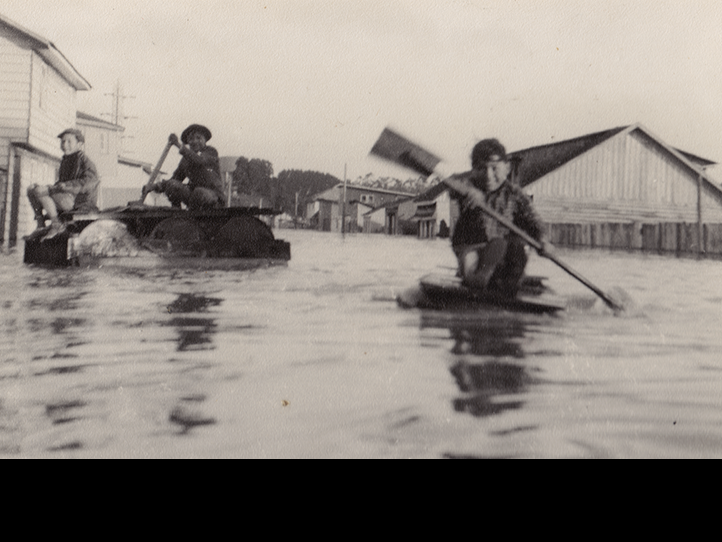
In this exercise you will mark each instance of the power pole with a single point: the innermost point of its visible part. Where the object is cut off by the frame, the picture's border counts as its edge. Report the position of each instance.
(117, 114)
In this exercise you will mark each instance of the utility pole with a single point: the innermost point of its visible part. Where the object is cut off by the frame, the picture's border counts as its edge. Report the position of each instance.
(229, 181)
(295, 214)
(117, 114)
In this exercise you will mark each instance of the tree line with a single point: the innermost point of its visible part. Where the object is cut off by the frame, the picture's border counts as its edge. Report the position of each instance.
(255, 178)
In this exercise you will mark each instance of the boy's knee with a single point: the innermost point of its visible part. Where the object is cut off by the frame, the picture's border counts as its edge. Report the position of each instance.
(38, 191)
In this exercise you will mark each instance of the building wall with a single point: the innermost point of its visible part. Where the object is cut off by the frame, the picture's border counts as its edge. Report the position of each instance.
(102, 145)
(129, 188)
(367, 196)
(629, 178)
(14, 96)
(52, 107)
(29, 168)
(375, 222)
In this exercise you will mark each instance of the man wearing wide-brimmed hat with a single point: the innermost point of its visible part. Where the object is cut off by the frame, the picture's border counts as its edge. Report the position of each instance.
(200, 166)
(75, 190)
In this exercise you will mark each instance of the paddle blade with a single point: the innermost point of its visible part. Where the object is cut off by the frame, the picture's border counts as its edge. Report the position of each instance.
(396, 148)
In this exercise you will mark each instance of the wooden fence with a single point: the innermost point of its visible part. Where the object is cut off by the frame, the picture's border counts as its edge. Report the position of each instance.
(674, 238)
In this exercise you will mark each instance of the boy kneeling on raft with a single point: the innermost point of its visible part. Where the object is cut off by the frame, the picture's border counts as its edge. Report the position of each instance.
(200, 165)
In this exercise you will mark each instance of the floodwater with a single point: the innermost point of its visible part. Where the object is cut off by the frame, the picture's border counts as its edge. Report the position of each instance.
(315, 360)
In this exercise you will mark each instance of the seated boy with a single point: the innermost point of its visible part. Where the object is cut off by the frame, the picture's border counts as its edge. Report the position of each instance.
(201, 167)
(490, 256)
(75, 190)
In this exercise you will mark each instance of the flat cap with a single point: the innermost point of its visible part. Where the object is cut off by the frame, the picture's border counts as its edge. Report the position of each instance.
(73, 131)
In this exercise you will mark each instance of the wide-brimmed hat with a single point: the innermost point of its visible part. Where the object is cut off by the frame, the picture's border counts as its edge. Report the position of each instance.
(73, 131)
(192, 129)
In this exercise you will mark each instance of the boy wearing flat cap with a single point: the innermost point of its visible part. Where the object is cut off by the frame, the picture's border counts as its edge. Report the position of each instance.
(201, 167)
(490, 256)
(76, 188)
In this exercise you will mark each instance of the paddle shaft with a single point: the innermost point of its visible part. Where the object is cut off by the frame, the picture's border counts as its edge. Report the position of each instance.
(159, 165)
(465, 189)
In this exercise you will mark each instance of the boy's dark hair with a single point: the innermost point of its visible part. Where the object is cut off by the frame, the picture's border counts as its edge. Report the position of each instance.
(484, 150)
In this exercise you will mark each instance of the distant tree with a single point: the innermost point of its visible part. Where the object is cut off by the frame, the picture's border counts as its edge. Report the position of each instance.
(304, 183)
(254, 177)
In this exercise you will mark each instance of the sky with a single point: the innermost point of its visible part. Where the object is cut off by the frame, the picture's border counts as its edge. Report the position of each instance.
(310, 84)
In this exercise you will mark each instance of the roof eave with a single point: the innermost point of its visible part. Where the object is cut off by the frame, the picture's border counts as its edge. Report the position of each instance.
(51, 54)
(57, 60)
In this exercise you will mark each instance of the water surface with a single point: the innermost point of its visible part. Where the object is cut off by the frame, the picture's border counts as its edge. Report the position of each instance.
(316, 360)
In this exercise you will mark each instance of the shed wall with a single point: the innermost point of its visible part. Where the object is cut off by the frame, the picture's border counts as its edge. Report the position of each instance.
(629, 178)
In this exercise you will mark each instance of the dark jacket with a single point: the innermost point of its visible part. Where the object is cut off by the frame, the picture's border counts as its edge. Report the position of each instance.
(203, 170)
(474, 227)
(78, 176)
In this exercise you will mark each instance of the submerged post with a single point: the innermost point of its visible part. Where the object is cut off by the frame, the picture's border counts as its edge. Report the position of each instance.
(700, 217)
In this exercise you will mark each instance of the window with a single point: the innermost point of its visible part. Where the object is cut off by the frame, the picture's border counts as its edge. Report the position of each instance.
(104, 143)
(43, 87)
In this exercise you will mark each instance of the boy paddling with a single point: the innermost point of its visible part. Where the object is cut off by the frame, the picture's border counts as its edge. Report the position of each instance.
(75, 190)
(491, 257)
(200, 165)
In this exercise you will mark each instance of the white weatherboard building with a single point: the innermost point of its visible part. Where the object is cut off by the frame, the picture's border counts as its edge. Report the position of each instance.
(38, 88)
(622, 175)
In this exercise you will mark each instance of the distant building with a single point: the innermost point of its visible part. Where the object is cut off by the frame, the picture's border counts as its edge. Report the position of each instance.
(38, 88)
(355, 212)
(121, 178)
(325, 210)
(436, 213)
(375, 221)
(399, 217)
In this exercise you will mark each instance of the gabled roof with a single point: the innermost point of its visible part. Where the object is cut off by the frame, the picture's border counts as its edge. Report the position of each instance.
(47, 50)
(333, 194)
(432, 193)
(84, 118)
(534, 163)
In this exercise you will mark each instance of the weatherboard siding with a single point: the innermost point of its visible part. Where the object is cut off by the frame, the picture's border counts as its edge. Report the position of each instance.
(53, 107)
(14, 96)
(629, 178)
(32, 169)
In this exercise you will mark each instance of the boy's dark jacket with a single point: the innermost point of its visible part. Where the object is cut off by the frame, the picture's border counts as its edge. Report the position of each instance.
(79, 176)
(474, 227)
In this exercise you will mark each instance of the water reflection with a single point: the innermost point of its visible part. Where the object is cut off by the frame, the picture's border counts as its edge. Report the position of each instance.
(490, 371)
(194, 332)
